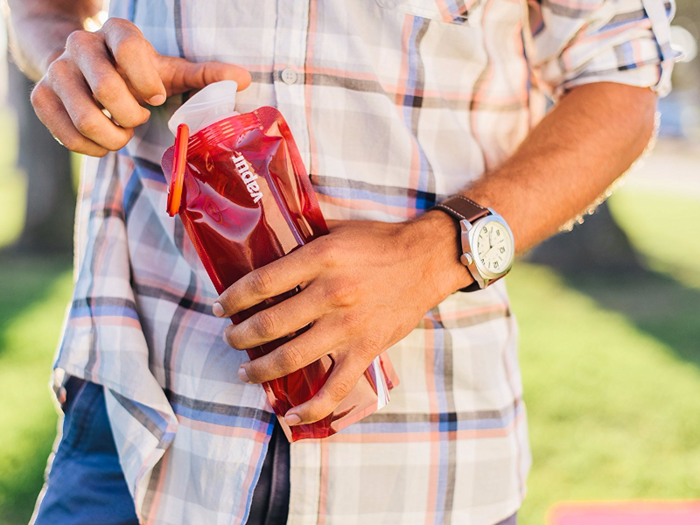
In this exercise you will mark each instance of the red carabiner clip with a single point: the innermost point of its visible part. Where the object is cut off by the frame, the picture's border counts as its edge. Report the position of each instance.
(178, 174)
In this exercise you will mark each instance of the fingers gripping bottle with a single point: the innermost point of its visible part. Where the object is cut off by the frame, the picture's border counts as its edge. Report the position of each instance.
(245, 200)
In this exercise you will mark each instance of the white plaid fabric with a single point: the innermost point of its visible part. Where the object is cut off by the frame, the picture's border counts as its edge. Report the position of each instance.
(395, 105)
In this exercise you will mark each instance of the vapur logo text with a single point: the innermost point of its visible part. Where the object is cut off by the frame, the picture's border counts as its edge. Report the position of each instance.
(248, 178)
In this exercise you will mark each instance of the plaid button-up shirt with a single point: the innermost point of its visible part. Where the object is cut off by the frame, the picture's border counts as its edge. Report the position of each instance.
(395, 105)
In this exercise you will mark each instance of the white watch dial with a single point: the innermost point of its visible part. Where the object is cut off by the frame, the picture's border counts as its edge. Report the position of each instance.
(494, 247)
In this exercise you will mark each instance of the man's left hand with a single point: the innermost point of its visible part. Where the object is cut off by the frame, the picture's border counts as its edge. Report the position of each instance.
(364, 287)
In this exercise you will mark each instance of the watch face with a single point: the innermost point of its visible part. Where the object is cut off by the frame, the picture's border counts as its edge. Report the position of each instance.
(494, 246)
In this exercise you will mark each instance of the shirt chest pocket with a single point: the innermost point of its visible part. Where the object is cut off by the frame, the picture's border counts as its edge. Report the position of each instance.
(449, 11)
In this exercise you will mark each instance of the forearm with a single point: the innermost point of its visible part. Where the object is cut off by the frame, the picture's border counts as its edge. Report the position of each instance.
(39, 29)
(569, 160)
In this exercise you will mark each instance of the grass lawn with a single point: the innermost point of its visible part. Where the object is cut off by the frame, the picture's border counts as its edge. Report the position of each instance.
(33, 297)
(611, 367)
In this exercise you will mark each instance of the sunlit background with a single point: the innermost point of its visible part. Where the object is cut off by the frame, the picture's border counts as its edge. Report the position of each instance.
(609, 316)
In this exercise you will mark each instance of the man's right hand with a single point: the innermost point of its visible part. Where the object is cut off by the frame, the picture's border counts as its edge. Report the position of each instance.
(117, 69)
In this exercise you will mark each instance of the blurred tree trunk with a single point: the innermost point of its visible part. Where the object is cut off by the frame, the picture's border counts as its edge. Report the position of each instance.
(48, 226)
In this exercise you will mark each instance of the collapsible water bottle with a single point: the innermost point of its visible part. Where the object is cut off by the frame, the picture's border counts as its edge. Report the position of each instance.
(245, 199)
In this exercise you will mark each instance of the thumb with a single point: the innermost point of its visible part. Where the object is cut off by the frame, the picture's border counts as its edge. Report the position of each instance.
(180, 75)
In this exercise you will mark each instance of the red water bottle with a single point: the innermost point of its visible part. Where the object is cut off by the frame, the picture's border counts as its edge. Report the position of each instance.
(245, 199)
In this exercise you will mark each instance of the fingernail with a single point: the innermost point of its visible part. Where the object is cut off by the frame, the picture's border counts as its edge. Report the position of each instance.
(218, 310)
(292, 419)
(156, 100)
(243, 375)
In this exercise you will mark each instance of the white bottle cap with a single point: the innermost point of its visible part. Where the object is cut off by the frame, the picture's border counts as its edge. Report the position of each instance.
(213, 103)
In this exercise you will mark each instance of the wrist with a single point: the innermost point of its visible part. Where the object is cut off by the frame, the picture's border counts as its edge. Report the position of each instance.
(435, 235)
(34, 55)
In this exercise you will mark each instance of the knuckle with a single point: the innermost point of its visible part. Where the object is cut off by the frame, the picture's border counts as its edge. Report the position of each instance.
(131, 120)
(254, 371)
(78, 144)
(98, 129)
(196, 75)
(229, 336)
(114, 23)
(71, 142)
(227, 300)
(315, 412)
(342, 388)
(118, 143)
(370, 347)
(352, 318)
(292, 358)
(91, 150)
(260, 281)
(327, 251)
(38, 95)
(342, 293)
(110, 23)
(78, 39)
(57, 70)
(266, 323)
(213, 72)
(128, 47)
(107, 90)
(88, 125)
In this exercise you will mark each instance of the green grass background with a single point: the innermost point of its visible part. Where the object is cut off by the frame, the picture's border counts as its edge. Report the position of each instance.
(611, 364)
(611, 367)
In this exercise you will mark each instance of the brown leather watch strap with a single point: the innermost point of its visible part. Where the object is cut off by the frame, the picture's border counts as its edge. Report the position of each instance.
(462, 208)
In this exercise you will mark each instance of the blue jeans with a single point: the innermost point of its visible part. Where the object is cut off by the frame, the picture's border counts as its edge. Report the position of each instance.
(86, 484)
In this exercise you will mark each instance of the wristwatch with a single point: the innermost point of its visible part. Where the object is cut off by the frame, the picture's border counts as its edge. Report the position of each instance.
(485, 240)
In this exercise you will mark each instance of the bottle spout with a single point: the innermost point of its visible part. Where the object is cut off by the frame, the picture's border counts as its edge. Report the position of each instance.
(212, 103)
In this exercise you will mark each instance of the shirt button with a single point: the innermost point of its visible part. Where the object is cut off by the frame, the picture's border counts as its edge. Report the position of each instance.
(289, 76)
